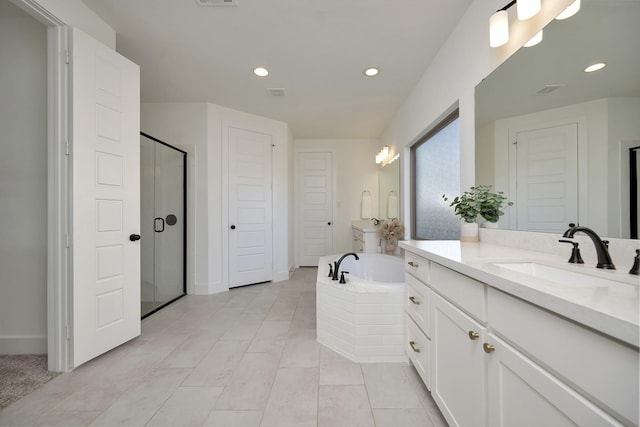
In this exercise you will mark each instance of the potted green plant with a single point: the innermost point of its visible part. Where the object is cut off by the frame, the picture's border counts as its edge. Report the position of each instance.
(477, 201)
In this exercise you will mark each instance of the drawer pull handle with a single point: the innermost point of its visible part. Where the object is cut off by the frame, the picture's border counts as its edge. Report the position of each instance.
(413, 264)
(413, 346)
(473, 335)
(414, 300)
(488, 348)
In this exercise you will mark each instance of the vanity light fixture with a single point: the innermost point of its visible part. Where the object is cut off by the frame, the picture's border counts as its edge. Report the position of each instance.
(595, 67)
(499, 22)
(382, 154)
(534, 40)
(394, 158)
(261, 72)
(571, 10)
(527, 8)
(371, 71)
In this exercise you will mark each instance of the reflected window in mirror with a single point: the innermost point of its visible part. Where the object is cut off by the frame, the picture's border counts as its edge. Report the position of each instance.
(435, 171)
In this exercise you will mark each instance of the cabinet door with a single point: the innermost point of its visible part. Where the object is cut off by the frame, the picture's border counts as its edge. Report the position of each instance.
(457, 367)
(520, 393)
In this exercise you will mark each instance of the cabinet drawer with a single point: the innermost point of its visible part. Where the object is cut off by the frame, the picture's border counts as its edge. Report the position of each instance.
(467, 293)
(417, 266)
(417, 304)
(419, 350)
(601, 368)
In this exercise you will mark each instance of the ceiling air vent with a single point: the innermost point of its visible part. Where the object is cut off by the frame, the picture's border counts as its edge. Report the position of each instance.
(548, 89)
(206, 3)
(275, 91)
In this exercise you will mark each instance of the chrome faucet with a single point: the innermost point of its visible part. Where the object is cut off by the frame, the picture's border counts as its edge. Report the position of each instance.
(336, 264)
(604, 259)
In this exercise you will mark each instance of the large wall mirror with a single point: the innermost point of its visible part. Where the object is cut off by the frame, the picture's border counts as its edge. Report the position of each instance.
(559, 141)
(389, 190)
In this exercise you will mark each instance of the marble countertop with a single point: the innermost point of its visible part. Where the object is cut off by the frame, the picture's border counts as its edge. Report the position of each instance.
(364, 225)
(613, 310)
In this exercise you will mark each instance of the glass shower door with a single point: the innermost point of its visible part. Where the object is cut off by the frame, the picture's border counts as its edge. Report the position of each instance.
(163, 192)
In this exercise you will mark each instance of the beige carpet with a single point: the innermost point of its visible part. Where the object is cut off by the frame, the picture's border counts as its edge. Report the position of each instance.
(20, 375)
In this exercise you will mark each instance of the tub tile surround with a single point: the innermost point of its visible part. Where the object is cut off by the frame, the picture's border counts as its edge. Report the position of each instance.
(613, 310)
(361, 322)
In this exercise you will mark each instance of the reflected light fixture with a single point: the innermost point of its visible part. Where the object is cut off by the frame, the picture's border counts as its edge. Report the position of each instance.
(382, 154)
(595, 67)
(534, 40)
(571, 10)
(527, 8)
(261, 72)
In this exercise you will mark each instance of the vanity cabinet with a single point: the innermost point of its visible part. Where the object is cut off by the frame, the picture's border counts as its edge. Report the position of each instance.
(418, 319)
(365, 240)
(457, 365)
(497, 360)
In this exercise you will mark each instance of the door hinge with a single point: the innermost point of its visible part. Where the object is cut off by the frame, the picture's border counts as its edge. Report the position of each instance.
(66, 238)
(67, 56)
(67, 332)
(67, 148)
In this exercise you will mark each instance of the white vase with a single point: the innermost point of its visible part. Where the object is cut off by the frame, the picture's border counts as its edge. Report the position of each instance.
(469, 232)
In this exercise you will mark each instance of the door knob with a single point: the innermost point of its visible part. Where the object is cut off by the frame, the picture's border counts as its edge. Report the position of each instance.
(488, 348)
(134, 237)
(233, 227)
(329, 223)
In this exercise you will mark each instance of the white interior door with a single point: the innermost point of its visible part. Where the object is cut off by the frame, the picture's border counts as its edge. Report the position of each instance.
(315, 207)
(105, 159)
(250, 208)
(547, 178)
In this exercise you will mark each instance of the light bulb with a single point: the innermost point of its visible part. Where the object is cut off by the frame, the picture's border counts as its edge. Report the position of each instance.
(571, 10)
(527, 8)
(499, 28)
(534, 40)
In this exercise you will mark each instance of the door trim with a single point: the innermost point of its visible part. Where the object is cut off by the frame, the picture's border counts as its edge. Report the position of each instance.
(58, 189)
(296, 201)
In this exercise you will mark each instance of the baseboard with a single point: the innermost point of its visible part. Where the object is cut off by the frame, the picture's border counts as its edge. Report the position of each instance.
(23, 345)
(209, 288)
(281, 276)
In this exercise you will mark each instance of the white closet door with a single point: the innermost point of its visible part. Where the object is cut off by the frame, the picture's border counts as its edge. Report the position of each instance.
(250, 208)
(315, 207)
(547, 178)
(105, 159)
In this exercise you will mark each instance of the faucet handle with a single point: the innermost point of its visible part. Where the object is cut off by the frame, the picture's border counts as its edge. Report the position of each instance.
(636, 264)
(330, 270)
(575, 258)
(342, 273)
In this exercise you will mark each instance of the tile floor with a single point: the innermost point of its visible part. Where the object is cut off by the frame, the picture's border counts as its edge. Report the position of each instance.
(247, 357)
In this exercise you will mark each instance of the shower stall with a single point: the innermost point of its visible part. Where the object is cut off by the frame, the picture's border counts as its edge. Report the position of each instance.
(163, 170)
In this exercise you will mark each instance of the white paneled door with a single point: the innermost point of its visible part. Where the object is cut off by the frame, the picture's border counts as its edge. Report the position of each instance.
(105, 159)
(315, 207)
(547, 178)
(250, 208)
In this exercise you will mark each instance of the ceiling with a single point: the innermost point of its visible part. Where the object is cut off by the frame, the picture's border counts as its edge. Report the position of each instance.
(315, 50)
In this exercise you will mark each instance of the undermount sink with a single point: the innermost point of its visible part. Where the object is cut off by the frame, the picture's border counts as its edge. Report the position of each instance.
(555, 274)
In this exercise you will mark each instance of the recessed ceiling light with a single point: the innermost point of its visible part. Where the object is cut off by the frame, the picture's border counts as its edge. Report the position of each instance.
(595, 67)
(370, 72)
(261, 72)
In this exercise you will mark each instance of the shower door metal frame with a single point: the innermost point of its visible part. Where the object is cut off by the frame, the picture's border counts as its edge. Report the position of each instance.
(184, 223)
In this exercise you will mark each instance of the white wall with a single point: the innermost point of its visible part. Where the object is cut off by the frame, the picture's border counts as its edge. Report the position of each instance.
(76, 14)
(356, 171)
(23, 186)
(462, 62)
(202, 127)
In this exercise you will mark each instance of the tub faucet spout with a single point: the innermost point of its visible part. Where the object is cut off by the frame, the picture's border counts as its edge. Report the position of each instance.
(604, 259)
(337, 264)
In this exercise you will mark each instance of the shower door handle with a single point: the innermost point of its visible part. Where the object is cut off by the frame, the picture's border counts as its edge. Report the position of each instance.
(156, 228)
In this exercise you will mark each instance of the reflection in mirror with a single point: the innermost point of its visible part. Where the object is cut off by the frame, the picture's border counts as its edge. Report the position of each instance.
(389, 190)
(557, 140)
